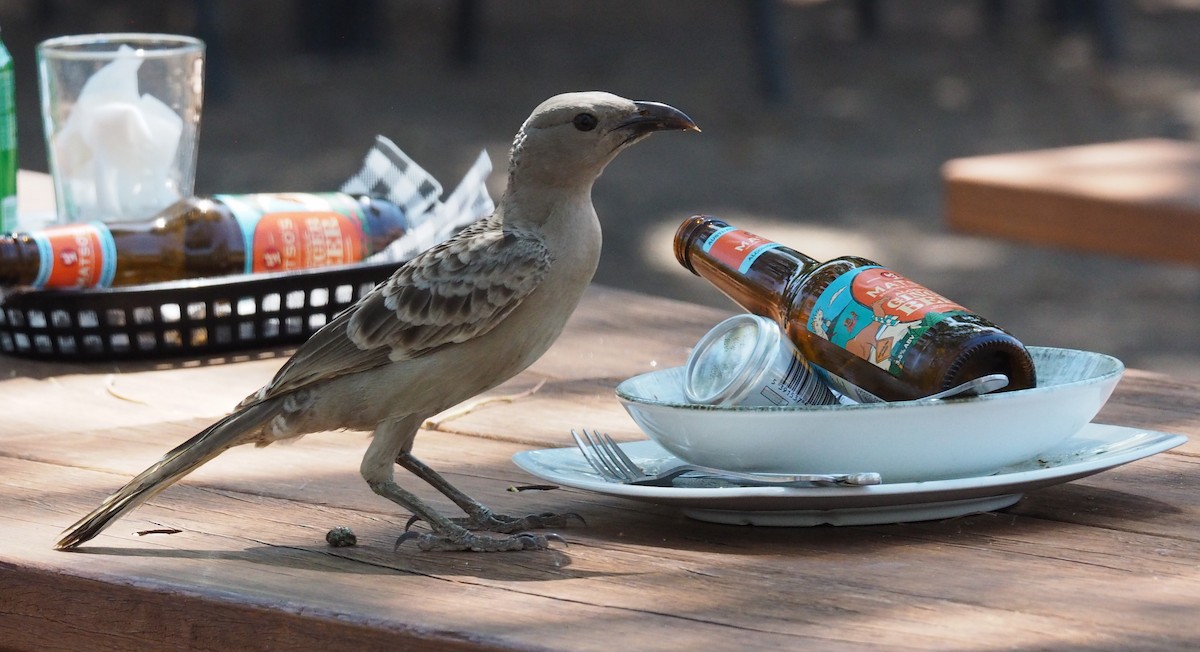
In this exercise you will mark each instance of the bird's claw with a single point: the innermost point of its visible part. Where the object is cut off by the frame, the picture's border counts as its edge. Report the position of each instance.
(479, 543)
(508, 524)
(404, 537)
(566, 516)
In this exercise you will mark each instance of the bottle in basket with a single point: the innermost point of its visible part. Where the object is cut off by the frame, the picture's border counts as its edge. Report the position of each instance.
(853, 318)
(200, 237)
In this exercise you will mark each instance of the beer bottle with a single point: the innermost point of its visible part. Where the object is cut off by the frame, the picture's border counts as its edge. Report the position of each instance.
(200, 237)
(853, 318)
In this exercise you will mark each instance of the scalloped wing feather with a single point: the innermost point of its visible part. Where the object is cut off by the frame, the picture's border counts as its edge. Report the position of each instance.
(455, 291)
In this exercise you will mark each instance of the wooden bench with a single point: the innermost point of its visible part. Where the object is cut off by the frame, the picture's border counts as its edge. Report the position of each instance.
(1136, 198)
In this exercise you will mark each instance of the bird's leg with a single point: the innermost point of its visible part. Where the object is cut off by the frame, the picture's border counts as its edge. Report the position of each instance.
(377, 469)
(446, 534)
(479, 516)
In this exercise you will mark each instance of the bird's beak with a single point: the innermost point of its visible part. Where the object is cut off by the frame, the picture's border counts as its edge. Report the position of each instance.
(655, 116)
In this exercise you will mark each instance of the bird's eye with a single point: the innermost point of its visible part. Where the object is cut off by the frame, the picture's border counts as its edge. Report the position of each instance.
(585, 122)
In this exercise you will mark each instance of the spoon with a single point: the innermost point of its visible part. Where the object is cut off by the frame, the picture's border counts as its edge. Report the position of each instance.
(974, 387)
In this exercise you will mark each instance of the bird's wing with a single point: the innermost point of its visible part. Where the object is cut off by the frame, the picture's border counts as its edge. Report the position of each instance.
(451, 293)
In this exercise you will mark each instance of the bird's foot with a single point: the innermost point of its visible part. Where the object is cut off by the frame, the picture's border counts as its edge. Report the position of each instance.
(466, 540)
(486, 520)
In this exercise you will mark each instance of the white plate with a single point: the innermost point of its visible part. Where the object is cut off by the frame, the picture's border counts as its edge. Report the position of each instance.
(1095, 448)
(902, 440)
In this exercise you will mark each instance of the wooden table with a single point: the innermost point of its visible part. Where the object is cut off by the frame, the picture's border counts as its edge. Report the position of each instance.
(1133, 198)
(1111, 561)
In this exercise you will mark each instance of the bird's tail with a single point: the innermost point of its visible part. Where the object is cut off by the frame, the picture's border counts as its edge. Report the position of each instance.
(235, 429)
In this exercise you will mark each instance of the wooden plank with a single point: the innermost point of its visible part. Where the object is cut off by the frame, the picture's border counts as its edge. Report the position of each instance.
(88, 615)
(611, 337)
(1134, 198)
(910, 582)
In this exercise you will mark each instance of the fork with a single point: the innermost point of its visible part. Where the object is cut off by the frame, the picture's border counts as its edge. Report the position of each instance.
(607, 458)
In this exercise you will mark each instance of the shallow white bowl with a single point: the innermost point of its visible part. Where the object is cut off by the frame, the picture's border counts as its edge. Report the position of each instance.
(904, 441)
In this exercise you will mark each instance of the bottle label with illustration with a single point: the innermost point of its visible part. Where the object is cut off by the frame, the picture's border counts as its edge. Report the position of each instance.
(298, 230)
(75, 256)
(736, 248)
(877, 315)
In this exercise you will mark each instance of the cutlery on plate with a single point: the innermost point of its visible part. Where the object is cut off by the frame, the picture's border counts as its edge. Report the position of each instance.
(973, 387)
(607, 458)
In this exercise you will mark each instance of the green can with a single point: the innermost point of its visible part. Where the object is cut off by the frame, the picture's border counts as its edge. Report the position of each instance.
(8, 145)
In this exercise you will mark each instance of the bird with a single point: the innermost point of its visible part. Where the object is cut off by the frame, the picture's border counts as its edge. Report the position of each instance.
(455, 321)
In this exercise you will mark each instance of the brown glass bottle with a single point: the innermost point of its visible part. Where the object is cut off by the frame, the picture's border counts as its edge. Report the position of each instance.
(201, 237)
(852, 317)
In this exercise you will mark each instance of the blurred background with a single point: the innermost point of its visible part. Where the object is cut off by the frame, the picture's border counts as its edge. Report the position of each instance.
(825, 123)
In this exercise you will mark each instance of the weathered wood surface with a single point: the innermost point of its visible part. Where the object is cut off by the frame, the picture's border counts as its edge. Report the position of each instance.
(1106, 562)
(1134, 198)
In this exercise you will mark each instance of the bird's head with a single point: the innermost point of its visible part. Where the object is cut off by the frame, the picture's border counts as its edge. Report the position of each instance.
(570, 138)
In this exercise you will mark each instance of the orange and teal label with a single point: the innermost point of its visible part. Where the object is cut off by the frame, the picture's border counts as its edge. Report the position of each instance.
(877, 315)
(75, 256)
(871, 312)
(298, 230)
(736, 248)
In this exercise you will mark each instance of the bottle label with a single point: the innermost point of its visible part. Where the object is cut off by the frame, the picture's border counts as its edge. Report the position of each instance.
(298, 230)
(75, 256)
(736, 248)
(877, 315)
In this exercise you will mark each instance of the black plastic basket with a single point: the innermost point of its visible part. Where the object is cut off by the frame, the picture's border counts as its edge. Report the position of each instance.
(181, 318)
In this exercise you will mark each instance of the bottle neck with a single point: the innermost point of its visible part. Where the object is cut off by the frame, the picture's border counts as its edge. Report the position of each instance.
(383, 222)
(756, 273)
(19, 260)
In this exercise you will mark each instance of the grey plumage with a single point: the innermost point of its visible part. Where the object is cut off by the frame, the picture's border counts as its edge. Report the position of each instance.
(455, 321)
